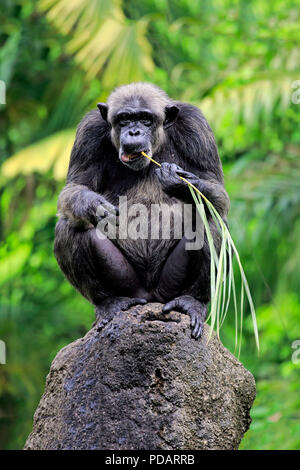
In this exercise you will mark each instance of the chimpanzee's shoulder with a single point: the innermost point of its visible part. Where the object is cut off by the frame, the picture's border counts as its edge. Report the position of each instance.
(191, 116)
(92, 143)
(93, 124)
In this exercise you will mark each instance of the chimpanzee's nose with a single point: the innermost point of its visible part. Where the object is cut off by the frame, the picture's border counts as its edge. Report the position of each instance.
(134, 132)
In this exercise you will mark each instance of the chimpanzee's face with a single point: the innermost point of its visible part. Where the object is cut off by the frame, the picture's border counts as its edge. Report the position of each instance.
(134, 131)
(135, 128)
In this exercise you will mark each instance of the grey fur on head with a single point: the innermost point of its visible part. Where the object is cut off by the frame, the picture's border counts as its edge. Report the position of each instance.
(139, 93)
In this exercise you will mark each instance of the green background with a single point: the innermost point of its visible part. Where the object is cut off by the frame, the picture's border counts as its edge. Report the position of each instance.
(238, 61)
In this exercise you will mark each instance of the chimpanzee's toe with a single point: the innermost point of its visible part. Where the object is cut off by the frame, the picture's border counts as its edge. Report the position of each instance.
(107, 309)
(190, 306)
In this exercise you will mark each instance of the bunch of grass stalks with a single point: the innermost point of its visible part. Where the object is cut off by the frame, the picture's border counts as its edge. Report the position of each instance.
(222, 279)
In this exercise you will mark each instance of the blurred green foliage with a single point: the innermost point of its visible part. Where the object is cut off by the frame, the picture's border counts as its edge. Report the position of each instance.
(238, 61)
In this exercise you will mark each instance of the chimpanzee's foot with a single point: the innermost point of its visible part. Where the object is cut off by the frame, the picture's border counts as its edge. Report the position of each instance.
(106, 310)
(190, 306)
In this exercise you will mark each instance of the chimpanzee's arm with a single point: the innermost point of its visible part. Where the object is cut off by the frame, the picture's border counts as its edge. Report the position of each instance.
(82, 206)
(79, 200)
(194, 149)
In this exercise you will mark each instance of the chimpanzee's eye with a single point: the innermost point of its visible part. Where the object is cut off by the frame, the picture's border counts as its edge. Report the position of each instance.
(124, 119)
(147, 122)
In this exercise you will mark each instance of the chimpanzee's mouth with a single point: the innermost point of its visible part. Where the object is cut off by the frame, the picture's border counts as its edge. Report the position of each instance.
(135, 160)
(130, 157)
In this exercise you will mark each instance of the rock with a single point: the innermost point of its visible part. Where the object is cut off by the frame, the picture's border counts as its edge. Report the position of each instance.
(142, 382)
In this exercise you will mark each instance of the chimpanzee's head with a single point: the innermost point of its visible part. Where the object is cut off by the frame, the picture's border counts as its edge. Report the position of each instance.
(138, 114)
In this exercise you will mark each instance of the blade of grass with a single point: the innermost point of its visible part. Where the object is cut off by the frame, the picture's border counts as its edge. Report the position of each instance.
(219, 263)
(243, 276)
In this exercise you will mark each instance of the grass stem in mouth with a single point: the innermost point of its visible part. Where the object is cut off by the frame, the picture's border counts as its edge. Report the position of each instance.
(154, 161)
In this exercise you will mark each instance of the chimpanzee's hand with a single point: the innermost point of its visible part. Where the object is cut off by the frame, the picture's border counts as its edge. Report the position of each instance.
(95, 209)
(169, 177)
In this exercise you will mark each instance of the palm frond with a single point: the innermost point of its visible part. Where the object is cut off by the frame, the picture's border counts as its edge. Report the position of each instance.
(80, 14)
(247, 102)
(106, 42)
(51, 152)
(8, 56)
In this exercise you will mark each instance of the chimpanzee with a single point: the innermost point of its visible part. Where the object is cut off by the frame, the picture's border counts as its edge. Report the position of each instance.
(106, 163)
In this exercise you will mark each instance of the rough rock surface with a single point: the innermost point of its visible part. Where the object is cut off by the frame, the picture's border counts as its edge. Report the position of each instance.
(144, 383)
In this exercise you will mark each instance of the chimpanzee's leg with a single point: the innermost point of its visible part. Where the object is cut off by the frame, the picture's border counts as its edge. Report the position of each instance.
(114, 268)
(97, 269)
(185, 283)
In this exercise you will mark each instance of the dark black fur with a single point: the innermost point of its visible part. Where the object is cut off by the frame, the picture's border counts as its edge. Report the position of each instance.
(149, 270)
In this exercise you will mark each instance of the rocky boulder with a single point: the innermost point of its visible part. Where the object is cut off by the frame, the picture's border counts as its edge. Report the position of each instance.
(142, 382)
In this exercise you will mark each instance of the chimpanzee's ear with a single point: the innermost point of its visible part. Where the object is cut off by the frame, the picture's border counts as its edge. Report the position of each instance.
(171, 113)
(103, 108)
